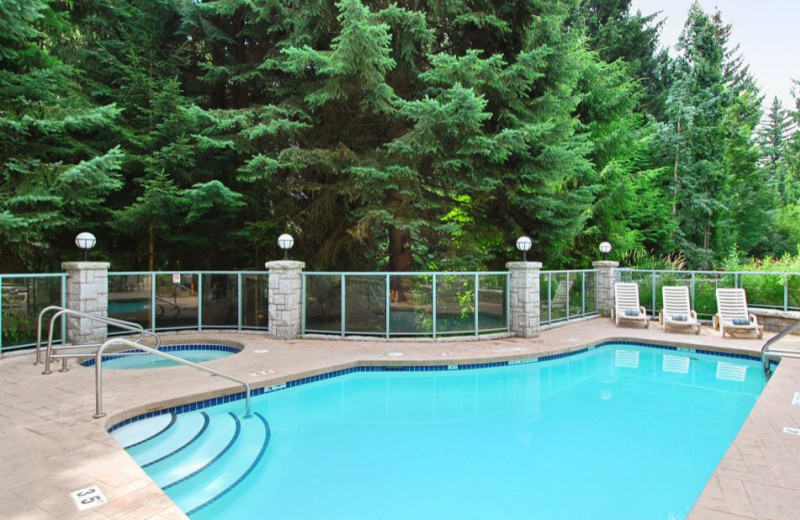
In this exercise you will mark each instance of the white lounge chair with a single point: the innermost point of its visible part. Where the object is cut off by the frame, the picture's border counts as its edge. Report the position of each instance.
(677, 310)
(732, 314)
(626, 303)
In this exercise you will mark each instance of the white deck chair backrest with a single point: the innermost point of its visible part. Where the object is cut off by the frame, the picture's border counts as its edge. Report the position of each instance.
(676, 300)
(626, 296)
(732, 303)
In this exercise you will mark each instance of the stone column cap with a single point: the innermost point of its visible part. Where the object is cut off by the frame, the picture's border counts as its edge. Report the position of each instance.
(523, 265)
(85, 265)
(605, 263)
(284, 265)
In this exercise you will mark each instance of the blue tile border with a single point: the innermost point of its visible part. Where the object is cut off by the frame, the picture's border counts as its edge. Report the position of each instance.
(171, 348)
(199, 405)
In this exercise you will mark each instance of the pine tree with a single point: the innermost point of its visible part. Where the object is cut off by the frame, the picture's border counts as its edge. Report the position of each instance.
(56, 175)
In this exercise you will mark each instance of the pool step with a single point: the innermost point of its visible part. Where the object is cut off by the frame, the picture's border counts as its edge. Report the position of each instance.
(186, 428)
(215, 440)
(227, 470)
(143, 430)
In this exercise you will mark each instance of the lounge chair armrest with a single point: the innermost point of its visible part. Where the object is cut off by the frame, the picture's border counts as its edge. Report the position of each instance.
(661, 317)
(716, 321)
(693, 314)
(643, 311)
(753, 319)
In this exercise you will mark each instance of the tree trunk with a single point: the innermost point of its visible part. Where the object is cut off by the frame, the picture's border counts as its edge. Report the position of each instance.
(151, 249)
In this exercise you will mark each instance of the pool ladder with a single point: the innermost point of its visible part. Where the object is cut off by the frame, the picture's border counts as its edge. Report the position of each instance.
(64, 352)
(77, 351)
(768, 352)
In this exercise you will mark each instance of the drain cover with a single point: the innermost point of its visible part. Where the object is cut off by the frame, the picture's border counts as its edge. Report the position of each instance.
(395, 354)
(261, 351)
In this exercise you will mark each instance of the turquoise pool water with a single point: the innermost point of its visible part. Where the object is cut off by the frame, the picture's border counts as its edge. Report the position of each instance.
(195, 353)
(619, 432)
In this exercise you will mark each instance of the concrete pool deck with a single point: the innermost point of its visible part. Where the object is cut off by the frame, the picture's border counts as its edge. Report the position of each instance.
(50, 446)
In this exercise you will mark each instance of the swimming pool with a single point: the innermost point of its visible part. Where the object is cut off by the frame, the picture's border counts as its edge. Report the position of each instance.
(621, 431)
(197, 353)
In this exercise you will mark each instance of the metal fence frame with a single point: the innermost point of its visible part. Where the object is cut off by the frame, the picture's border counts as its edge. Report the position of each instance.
(387, 332)
(62, 303)
(738, 279)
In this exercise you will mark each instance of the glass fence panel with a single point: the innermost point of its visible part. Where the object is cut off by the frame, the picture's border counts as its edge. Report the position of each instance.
(793, 289)
(705, 292)
(411, 307)
(763, 290)
(23, 298)
(492, 311)
(255, 300)
(455, 303)
(323, 303)
(559, 293)
(177, 300)
(365, 307)
(544, 298)
(220, 300)
(129, 297)
(590, 292)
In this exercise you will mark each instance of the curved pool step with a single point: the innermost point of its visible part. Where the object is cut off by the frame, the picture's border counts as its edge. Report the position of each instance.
(143, 430)
(185, 428)
(209, 446)
(223, 474)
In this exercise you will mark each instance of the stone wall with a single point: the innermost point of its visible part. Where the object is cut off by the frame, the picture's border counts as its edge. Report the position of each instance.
(87, 291)
(606, 278)
(285, 293)
(524, 298)
(775, 320)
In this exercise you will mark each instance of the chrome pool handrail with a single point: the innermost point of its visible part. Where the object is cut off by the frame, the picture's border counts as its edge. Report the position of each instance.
(98, 371)
(766, 352)
(61, 311)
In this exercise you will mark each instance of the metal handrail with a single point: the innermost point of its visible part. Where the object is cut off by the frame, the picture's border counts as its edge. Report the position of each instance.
(61, 311)
(766, 352)
(98, 371)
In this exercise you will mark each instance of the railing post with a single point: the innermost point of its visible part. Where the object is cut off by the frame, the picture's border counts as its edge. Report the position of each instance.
(87, 291)
(567, 298)
(434, 306)
(153, 280)
(239, 302)
(477, 299)
(342, 304)
(199, 301)
(606, 276)
(655, 282)
(285, 286)
(524, 312)
(388, 297)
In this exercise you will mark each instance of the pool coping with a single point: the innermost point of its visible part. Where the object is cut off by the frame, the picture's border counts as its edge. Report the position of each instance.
(53, 447)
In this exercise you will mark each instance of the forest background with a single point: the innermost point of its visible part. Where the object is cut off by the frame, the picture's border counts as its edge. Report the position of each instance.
(407, 135)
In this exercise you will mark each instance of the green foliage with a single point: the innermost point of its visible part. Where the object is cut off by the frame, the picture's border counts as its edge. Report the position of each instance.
(424, 135)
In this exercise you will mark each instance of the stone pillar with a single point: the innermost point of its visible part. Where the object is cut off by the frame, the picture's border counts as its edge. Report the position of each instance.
(606, 277)
(285, 298)
(87, 291)
(524, 298)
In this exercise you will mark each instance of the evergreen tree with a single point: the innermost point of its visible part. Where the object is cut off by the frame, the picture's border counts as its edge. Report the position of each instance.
(55, 173)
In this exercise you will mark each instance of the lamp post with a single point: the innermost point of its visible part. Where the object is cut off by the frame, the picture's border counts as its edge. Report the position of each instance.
(285, 242)
(85, 241)
(524, 243)
(605, 248)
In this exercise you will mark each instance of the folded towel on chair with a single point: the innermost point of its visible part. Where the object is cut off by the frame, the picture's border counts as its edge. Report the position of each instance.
(631, 312)
(680, 317)
(740, 321)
